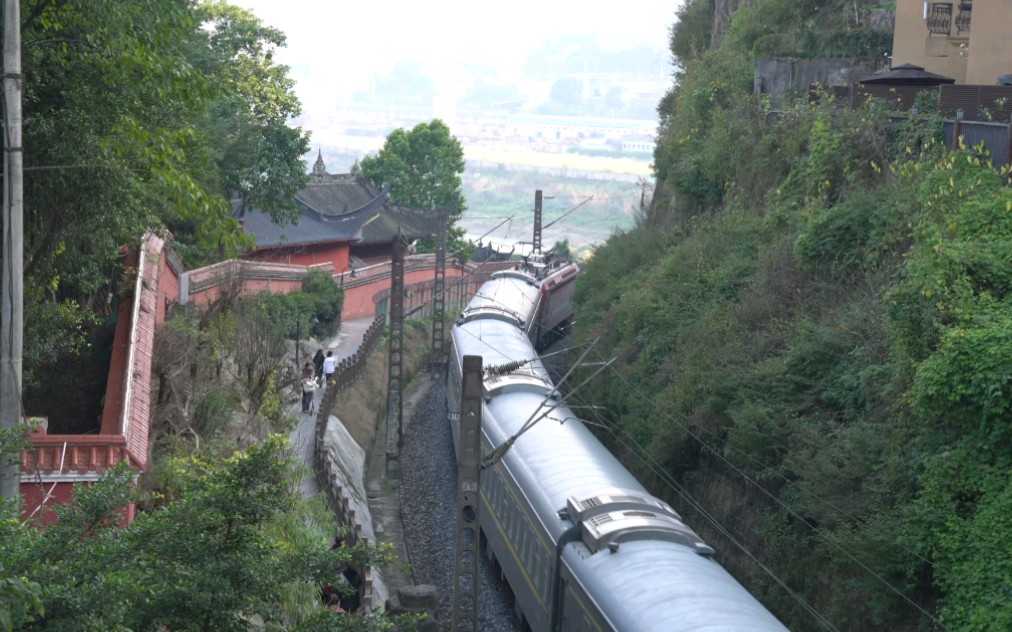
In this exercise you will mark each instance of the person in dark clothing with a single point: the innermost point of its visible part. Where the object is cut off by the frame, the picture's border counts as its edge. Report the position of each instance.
(318, 362)
(346, 595)
(350, 599)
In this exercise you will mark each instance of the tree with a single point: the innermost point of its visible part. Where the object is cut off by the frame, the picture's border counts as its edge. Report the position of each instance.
(141, 116)
(218, 551)
(423, 168)
(257, 155)
(562, 250)
(565, 97)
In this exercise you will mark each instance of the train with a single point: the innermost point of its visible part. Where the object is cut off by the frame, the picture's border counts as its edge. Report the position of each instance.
(581, 543)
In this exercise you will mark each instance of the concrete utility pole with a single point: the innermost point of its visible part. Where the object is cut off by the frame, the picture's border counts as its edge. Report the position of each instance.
(465, 558)
(12, 303)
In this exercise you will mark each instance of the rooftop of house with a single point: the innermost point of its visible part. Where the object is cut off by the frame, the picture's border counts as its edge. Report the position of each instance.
(335, 208)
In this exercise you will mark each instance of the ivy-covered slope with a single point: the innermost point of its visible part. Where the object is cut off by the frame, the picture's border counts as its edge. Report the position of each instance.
(813, 333)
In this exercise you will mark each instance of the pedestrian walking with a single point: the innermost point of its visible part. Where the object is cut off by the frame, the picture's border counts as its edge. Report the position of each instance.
(329, 367)
(318, 362)
(309, 385)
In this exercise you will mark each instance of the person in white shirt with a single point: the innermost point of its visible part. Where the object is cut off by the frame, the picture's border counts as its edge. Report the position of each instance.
(329, 367)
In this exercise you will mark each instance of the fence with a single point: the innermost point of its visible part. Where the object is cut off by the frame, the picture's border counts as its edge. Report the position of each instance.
(995, 137)
(458, 291)
(348, 372)
(991, 102)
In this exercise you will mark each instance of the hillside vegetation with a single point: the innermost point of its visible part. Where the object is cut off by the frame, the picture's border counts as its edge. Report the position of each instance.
(813, 327)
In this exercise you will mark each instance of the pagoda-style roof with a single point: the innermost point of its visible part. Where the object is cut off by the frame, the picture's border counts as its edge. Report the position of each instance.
(334, 208)
(337, 208)
(336, 194)
(413, 224)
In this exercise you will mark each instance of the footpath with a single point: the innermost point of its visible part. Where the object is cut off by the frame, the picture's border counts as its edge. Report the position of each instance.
(364, 468)
(344, 345)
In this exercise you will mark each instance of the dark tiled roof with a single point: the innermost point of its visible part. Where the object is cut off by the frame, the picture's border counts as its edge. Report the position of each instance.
(336, 194)
(414, 224)
(334, 208)
(312, 228)
(339, 208)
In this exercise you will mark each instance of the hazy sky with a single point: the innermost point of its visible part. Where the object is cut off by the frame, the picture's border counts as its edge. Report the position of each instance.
(334, 47)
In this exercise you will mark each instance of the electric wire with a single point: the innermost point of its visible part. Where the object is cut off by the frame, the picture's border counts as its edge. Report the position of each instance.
(501, 450)
(460, 280)
(842, 512)
(645, 458)
(654, 405)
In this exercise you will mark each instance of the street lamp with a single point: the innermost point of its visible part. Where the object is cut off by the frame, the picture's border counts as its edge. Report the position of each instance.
(298, 334)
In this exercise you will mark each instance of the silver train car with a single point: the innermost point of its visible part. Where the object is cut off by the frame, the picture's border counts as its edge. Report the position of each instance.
(583, 546)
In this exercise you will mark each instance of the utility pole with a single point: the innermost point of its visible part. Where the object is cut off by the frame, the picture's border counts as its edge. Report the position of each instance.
(438, 361)
(465, 557)
(12, 303)
(395, 386)
(536, 241)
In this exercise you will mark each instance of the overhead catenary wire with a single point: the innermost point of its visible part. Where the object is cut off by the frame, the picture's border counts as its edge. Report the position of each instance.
(462, 278)
(657, 469)
(644, 457)
(652, 464)
(567, 212)
(500, 451)
(728, 446)
(654, 405)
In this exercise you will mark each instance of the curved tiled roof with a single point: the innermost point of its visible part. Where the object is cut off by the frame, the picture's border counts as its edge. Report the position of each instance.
(414, 224)
(337, 208)
(334, 209)
(337, 194)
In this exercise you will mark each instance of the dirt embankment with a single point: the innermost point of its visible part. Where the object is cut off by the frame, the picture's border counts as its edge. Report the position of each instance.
(364, 404)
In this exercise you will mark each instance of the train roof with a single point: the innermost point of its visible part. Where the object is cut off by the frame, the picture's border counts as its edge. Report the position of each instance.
(686, 591)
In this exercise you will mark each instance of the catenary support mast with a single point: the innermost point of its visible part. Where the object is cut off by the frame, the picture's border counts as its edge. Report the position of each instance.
(395, 385)
(465, 558)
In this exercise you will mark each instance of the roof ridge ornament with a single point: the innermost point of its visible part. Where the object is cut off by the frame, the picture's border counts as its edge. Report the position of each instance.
(319, 168)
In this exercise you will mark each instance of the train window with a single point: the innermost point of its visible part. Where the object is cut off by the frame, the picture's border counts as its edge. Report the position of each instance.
(527, 542)
(536, 570)
(523, 543)
(498, 498)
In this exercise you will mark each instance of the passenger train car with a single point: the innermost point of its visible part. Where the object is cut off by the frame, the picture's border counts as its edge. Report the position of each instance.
(582, 544)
